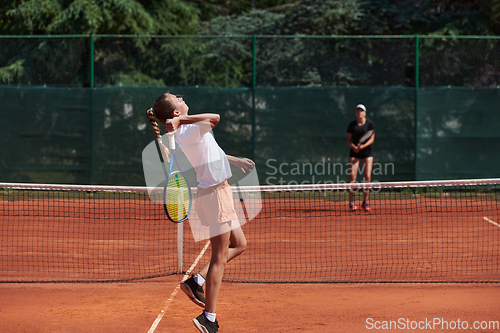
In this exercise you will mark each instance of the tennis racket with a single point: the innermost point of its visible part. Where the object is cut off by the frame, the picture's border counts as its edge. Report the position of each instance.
(177, 197)
(366, 137)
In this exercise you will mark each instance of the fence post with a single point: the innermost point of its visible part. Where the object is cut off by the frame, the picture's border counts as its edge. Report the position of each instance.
(91, 60)
(254, 84)
(416, 103)
(91, 97)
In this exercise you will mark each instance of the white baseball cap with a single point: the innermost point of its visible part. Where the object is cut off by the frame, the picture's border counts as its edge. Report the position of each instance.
(361, 106)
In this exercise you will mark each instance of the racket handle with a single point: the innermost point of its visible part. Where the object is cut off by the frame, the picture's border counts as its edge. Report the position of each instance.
(171, 139)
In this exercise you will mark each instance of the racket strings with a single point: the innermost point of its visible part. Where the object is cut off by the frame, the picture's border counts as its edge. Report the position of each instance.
(177, 197)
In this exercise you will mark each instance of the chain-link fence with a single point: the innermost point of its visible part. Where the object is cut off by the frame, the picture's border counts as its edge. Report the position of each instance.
(249, 61)
(286, 101)
(460, 62)
(45, 61)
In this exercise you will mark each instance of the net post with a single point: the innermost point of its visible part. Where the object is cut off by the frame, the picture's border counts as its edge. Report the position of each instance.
(180, 231)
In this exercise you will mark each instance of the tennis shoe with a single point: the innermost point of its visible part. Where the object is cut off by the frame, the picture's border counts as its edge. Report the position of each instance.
(194, 291)
(204, 325)
(352, 206)
(366, 207)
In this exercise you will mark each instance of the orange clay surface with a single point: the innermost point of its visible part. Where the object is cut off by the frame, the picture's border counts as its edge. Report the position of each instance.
(134, 307)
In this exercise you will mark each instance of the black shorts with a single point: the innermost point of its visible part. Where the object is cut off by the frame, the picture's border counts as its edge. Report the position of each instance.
(365, 153)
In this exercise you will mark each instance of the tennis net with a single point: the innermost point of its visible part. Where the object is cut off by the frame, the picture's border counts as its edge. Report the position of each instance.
(437, 231)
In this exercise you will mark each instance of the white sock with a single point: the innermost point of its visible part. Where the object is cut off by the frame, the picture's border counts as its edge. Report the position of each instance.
(210, 316)
(200, 280)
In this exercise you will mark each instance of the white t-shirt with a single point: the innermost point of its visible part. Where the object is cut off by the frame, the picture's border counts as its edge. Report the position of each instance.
(208, 159)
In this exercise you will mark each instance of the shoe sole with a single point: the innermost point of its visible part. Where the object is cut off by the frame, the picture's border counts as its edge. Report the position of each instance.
(189, 293)
(200, 327)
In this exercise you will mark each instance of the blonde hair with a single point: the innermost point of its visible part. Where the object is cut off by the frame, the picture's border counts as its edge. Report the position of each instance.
(162, 110)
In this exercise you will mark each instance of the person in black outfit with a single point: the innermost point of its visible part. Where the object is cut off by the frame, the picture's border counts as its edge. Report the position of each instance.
(360, 152)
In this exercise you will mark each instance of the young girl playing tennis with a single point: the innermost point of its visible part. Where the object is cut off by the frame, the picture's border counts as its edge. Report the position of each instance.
(360, 151)
(214, 200)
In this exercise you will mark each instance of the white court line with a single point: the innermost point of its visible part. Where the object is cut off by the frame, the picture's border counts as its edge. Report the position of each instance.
(492, 222)
(176, 290)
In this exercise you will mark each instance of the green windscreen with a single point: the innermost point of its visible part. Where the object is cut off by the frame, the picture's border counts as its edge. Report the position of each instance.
(295, 135)
(457, 133)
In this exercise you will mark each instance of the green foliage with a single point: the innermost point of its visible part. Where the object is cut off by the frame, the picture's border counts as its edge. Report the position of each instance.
(229, 60)
(98, 17)
(225, 61)
(313, 63)
(311, 17)
(10, 74)
(30, 16)
(408, 17)
(307, 17)
(105, 16)
(211, 9)
(122, 62)
(329, 17)
(495, 15)
(80, 17)
(287, 61)
(172, 17)
(255, 22)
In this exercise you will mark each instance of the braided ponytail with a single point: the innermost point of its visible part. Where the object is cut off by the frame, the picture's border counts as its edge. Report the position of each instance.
(152, 120)
(154, 125)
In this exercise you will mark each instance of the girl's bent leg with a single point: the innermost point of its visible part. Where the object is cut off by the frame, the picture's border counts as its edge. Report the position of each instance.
(238, 246)
(238, 243)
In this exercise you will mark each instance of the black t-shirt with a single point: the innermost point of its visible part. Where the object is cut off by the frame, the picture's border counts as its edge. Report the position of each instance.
(358, 132)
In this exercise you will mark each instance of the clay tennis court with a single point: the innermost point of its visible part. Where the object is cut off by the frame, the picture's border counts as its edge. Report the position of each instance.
(242, 307)
(444, 241)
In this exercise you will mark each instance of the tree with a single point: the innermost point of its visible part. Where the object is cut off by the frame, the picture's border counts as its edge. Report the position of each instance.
(287, 61)
(211, 9)
(225, 61)
(65, 61)
(426, 17)
(98, 17)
